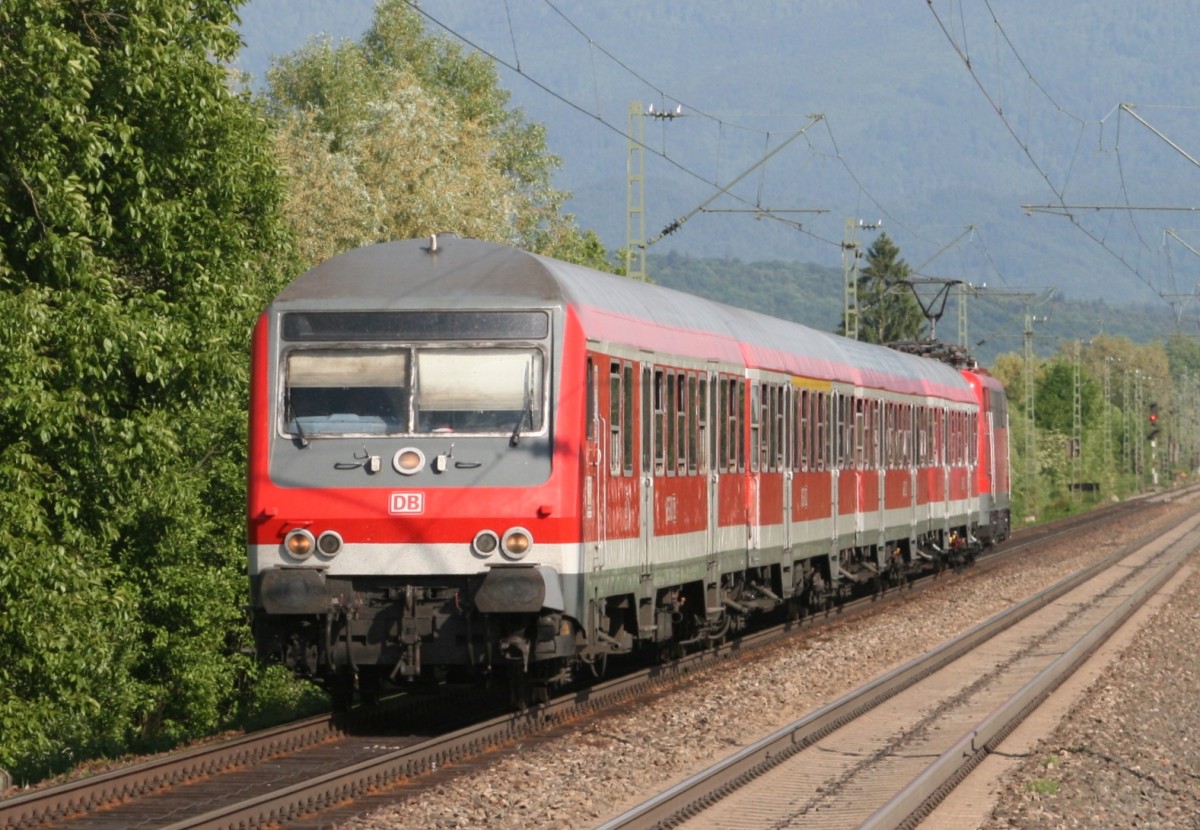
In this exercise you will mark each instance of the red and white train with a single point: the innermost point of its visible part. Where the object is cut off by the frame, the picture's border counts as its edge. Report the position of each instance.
(464, 456)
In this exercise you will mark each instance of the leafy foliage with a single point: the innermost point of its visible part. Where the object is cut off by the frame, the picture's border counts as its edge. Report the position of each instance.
(1183, 356)
(139, 236)
(142, 229)
(402, 135)
(1117, 380)
(1055, 390)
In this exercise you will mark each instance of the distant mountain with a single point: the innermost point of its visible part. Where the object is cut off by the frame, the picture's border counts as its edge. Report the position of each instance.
(908, 133)
(812, 295)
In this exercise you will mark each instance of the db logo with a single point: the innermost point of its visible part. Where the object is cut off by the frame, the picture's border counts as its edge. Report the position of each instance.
(407, 503)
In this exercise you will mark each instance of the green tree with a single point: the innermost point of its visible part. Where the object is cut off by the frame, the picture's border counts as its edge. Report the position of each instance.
(403, 135)
(887, 310)
(139, 237)
(1055, 394)
(1118, 380)
(1009, 369)
(1183, 355)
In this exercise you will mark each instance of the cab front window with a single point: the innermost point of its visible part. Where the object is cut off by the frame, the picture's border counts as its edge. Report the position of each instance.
(414, 372)
(468, 389)
(347, 392)
(478, 390)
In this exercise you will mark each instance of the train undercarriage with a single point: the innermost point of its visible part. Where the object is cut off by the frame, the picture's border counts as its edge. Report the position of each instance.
(359, 637)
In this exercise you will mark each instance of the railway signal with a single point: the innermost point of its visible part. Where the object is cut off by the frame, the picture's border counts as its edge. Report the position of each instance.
(1154, 425)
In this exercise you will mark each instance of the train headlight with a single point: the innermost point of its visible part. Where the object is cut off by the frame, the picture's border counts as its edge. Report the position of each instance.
(299, 543)
(329, 543)
(517, 542)
(485, 543)
(408, 461)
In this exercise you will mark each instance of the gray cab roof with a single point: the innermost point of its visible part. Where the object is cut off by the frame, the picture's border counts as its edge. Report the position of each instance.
(467, 273)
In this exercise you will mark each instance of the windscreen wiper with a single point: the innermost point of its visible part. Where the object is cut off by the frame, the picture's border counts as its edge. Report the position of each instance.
(526, 412)
(303, 439)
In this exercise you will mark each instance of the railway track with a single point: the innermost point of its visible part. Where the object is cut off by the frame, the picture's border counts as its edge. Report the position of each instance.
(886, 754)
(172, 788)
(328, 769)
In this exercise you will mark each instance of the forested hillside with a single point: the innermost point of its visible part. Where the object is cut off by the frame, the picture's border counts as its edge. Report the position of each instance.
(812, 295)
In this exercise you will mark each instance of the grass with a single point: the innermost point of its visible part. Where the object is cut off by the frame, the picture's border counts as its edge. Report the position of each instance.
(1046, 786)
(1043, 786)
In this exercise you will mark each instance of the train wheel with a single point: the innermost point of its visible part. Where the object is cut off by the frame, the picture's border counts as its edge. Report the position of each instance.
(519, 690)
(717, 630)
(596, 665)
(341, 693)
(524, 692)
(837, 598)
(669, 652)
(793, 610)
(370, 686)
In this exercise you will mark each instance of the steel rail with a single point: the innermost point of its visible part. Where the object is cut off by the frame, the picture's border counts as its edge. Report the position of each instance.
(914, 802)
(134, 781)
(691, 796)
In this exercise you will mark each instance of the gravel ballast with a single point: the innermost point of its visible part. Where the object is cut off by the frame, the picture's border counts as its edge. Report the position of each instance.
(1134, 745)
(1128, 754)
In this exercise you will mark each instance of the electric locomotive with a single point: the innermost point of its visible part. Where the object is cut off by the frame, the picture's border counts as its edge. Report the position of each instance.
(469, 459)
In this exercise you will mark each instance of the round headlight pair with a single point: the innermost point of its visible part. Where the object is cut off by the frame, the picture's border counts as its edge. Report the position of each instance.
(515, 544)
(301, 544)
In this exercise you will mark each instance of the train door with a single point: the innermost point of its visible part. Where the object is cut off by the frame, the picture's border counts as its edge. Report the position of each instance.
(770, 521)
(712, 460)
(611, 489)
(790, 461)
(650, 451)
(846, 449)
(968, 452)
(857, 452)
(985, 457)
(910, 461)
(754, 512)
(921, 454)
(941, 440)
(832, 449)
(993, 486)
(878, 463)
(729, 490)
(595, 481)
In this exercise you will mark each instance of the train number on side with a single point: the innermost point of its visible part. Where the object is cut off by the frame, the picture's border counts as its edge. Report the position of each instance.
(407, 503)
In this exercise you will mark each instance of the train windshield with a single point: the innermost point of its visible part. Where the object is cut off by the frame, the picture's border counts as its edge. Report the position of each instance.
(478, 390)
(391, 391)
(348, 392)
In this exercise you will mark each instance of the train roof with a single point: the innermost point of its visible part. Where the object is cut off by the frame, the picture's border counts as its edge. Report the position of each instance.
(468, 273)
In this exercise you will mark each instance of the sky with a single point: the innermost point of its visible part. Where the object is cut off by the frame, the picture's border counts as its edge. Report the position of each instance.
(1017, 144)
